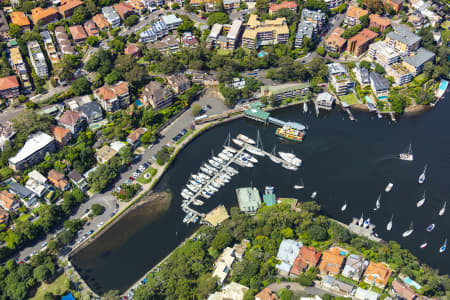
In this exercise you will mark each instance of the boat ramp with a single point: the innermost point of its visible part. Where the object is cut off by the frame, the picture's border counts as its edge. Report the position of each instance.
(366, 232)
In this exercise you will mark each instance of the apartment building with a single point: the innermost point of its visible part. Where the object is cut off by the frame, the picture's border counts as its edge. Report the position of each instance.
(318, 18)
(231, 4)
(283, 91)
(304, 29)
(113, 98)
(168, 44)
(20, 19)
(37, 59)
(50, 47)
(111, 16)
(156, 31)
(213, 37)
(18, 65)
(359, 44)
(157, 95)
(399, 72)
(9, 87)
(403, 40)
(265, 33)
(171, 21)
(353, 15)
(414, 63)
(335, 43)
(44, 16)
(79, 36)
(379, 22)
(381, 53)
(67, 7)
(310, 25)
(339, 79)
(234, 35)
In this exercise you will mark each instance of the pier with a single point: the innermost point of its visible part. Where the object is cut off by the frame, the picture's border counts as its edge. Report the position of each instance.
(255, 113)
(366, 232)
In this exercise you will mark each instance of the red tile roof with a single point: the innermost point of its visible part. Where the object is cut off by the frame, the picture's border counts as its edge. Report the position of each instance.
(285, 4)
(77, 32)
(403, 290)
(266, 294)
(120, 88)
(132, 49)
(91, 28)
(19, 18)
(7, 199)
(66, 8)
(378, 272)
(356, 12)
(331, 261)
(123, 9)
(70, 117)
(100, 21)
(39, 13)
(105, 93)
(59, 133)
(4, 216)
(8, 82)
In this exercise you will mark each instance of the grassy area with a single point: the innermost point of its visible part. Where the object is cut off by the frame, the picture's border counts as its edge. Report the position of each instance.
(23, 217)
(57, 287)
(151, 171)
(350, 99)
(421, 79)
(288, 201)
(190, 131)
(224, 52)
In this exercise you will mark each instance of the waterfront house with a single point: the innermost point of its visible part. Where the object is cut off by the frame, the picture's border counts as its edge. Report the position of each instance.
(402, 40)
(25, 195)
(403, 291)
(8, 202)
(362, 75)
(113, 98)
(363, 294)
(62, 135)
(337, 285)
(414, 63)
(307, 257)
(287, 253)
(92, 111)
(359, 44)
(9, 87)
(179, 83)
(339, 79)
(79, 36)
(353, 15)
(157, 95)
(379, 22)
(37, 183)
(58, 180)
(20, 19)
(266, 294)
(232, 290)
(325, 101)
(378, 274)
(134, 138)
(335, 43)
(399, 72)
(379, 84)
(33, 151)
(249, 200)
(354, 267)
(72, 120)
(104, 154)
(78, 180)
(332, 261)
(223, 264)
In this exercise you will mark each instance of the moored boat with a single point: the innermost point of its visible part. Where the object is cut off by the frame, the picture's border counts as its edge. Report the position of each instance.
(409, 231)
(408, 156)
(389, 225)
(366, 223)
(431, 227)
(389, 187)
(361, 220)
(238, 142)
(290, 133)
(300, 185)
(230, 149)
(422, 175)
(442, 210)
(314, 195)
(421, 201)
(424, 245)
(246, 139)
(344, 207)
(288, 166)
(443, 247)
(378, 203)
(290, 158)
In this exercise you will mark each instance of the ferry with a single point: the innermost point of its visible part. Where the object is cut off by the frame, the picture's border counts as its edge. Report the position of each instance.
(246, 139)
(431, 227)
(443, 247)
(290, 133)
(409, 231)
(238, 142)
(389, 187)
(408, 156)
(290, 158)
(424, 245)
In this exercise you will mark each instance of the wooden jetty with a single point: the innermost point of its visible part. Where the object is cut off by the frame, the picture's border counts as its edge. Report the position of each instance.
(367, 232)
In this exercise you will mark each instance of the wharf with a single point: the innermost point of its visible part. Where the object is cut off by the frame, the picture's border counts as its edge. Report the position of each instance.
(255, 113)
(366, 232)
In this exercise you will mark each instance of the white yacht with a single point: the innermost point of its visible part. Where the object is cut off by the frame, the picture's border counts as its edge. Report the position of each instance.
(442, 211)
(408, 156)
(422, 175)
(421, 201)
(254, 150)
(290, 158)
(224, 156)
(227, 153)
(230, 149)
(314, 195)
(249, 157)
(409, 231)
(206, 170)
(273, 157)
(238, 142)
(300, 185)
(378, 203)
(344, 207)
(219, 160)
(366, 223)
(389, 187)
(361, 220)
(305, 107)
(245, 139)
(443, 247)
(289, 166)
(214, 163)
(389, 225)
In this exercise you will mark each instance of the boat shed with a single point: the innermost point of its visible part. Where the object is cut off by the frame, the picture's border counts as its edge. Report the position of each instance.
(270, 199)
(257, 114)
(249, 200)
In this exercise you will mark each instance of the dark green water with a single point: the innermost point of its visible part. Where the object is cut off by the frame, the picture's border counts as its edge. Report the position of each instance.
(342, 161)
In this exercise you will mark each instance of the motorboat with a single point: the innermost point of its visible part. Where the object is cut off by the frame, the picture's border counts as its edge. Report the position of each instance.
(409, 231)
(206, 170)
(378, 203)
(204, 176)
(209, 190)
(421, 201)
(314, 195)
(290, 158)
(218, 159)
(227, 153)
(300, 185)
(230, 149)
(361, 220)
(224, 179)
(269, 189)
(208, 166)
(408, 156)
(389, 225)
(422, 175)
(233, 170)
(192, 188)
(206, 194)
(185, 196)
(214, 163)
(389, 187)
(254, 150)
(224, 156)
(443, 247)
(212, 188)
(238, 142)
(219, 181)
(344, 207)
(305, 107)
(289, 166)
(187, 217)
(224, 175)
(215, 184)
(246, 139)
(274, 157)
(424, 245)
(186, 191)
(431, 227)
(195, 183)
(442, 210)
(249, 157)
(199, 179)
(243, 163)
(366, 223)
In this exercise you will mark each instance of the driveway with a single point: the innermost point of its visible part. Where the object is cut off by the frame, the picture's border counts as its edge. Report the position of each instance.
(297, 288)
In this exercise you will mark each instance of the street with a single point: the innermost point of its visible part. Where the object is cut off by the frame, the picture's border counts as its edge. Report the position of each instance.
(297, 288)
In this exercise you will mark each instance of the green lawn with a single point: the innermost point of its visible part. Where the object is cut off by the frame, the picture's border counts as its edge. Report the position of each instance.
(151, 171)
(350, 99)
(421, 79)
(224, 52)
(190, 131)
(57, 287)
(288, 200)
(23, 217)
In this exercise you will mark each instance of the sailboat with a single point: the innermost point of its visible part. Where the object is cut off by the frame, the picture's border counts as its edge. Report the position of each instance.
(421, 201)
(443, 247)
(442, 211)
(424, 245)
(409, 231)
(344, 207)
(389, 187)
(305, 107)
(422, 176)
(361, 220)
(256, 150)
(300, 185)
(313, 195)
(366, 223)
(274, 157)
(407, 156)
(378, 203)
(389, 225)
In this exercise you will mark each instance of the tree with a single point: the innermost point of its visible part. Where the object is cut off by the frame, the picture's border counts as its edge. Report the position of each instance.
(80, 14)
(131, 20)
(285, 294)
(137, 75)
(316, 5)
(318, 233)
(15, 31)
(92, 40)
(305, 280)
(262, 6)
(205, 286)
(364, 64)
(148, 138)
(126, 154)
(221, 240)
(352, 31)
(81, 86)
(218, 17)
(364, 20)
(320, 50)
(113, 77)
(196, 109)
(379, 69)
(41, 273)
(374, 6)
(111, 295)
(175, 6)
(97, 209)
(162, 156)
(341, 8)
(428, 68)
(69, 64)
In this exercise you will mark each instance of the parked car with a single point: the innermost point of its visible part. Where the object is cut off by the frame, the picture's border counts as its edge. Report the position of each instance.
(131, 178)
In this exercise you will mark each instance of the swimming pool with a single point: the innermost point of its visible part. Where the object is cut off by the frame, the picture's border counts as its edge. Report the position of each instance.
(382, 98)
(368, 99)
(138, 103)
(443, 85)
(343, 253)
(411, 282)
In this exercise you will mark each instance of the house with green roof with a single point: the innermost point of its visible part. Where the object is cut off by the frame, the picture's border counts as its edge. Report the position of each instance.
(248, 199)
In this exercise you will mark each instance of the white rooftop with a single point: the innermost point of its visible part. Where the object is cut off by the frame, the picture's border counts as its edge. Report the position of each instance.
(288, 251)
(366, 295)
(34, 143)
(35, 175)
(233, 291)
(171, 19)
(117, 145)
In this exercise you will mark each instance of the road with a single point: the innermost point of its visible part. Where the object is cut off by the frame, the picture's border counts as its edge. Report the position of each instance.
(297, 288)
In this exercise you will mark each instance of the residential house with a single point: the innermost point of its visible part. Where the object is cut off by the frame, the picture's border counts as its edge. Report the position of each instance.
(91, 28)
(325, 101)
(9, 87)
(266, 294)
(124, 10)
(417, 20)
(171, 21)
(72, 120)
(67, 7)
(403, 40)
(134, 138)
(78, 180)
(4, 27)
(283, 91)
(362, 75)
(8, 202)
(307, 257)
(179, 83)
(381, 53)
(337, 285)
(111, 16)
(223, 264)
(18, 65)
(104, 154)
(58, 180)
(37, 59)
(7, 133)
(403, 291)
(231, 4)
(333, 3)
(79, 36)
(213, 36)
(234, 35)
(92, 111)
(353, 15)
(378, 274)
(335, 43)
(168, 44)
(354, 267)
(50, 47)
(339, 79)
(37, 183)
(62, 135)
(414, 63)
(157, 95)
(138, 6)
(287, 253)
(332, 261)
(4, 216)
(101, 22)
(239, 249)
(265, 33)
(133, 50)
(359, 44)
(400, 73)
(44, 15)
(379, 84)
(113, 98)
(189, 40)
(25, 195)
(33, 151)
(63, 40)
(396, 5)
(363, 294)
(379, 22)
(291, 5)
(20, 19)
(248, 199)
(233, 291)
